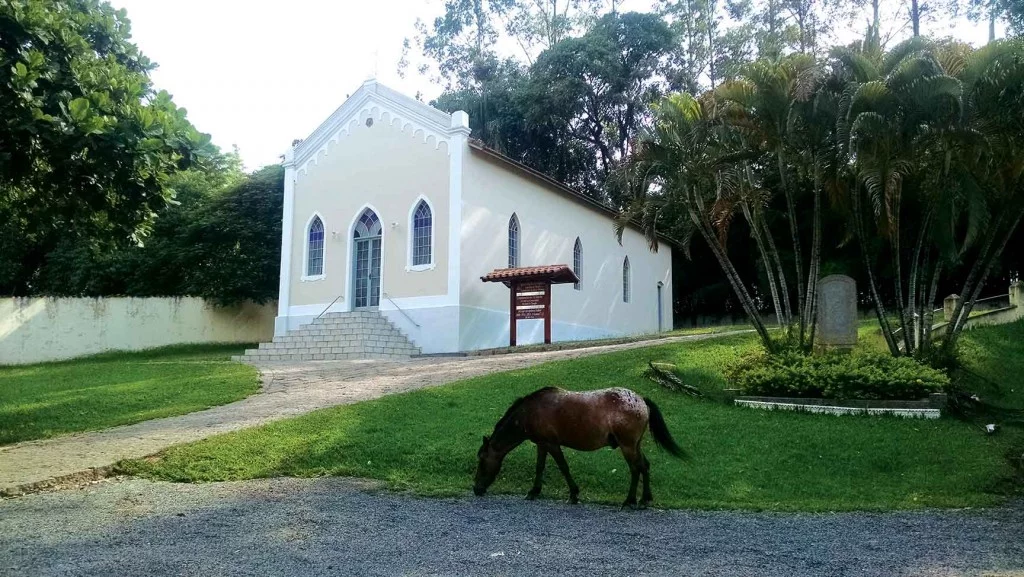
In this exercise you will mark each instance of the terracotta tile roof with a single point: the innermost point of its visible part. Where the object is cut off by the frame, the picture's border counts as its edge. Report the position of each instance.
(556, 273)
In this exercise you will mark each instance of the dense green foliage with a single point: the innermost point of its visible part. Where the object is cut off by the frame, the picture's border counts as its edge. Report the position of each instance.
(836, 376)
(572, 101)
(220, 241)
(105, 187)
(915, 155)
(86, 145)
(111, 389)
(426, 441)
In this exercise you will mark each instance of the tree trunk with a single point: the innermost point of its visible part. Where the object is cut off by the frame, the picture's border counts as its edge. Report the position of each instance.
(883, 320)
(734, 279)
(968, 285)
(912, 288)
(929, 313)
(897, 266)
(992, 25)
(920, 299)
(915, 17)
(815, 265)
(969, 305)
(773, 287)
(712, 28)
(795, 238)
(773, 250)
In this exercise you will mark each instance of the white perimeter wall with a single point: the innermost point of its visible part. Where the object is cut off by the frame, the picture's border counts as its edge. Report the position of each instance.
(46, 329)
(549, 223)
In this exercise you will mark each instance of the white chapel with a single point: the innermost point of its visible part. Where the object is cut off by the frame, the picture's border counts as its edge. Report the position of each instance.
(392, 210)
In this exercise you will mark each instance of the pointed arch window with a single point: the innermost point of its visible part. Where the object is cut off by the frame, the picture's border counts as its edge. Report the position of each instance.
(577, 262)
(513, 241)
(368, 226)
(422, 234)
(315, 248)
(625, 280)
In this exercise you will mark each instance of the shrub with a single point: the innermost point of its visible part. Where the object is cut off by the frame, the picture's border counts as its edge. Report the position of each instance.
(836, 375)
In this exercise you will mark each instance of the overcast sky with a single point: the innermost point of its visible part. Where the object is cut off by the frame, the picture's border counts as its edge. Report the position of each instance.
(260, 73)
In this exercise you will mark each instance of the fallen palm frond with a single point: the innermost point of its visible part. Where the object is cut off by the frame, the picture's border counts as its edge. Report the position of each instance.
(662, 374)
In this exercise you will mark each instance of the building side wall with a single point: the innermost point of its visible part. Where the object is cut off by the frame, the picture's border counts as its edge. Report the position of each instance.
(550, 221)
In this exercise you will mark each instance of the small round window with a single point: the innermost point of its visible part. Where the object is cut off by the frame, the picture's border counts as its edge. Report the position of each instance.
(369, 122)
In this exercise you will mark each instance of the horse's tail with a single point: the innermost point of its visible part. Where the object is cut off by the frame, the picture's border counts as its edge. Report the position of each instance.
(660, 432)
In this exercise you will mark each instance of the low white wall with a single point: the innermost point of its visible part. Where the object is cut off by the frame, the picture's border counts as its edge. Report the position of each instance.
(45, 329)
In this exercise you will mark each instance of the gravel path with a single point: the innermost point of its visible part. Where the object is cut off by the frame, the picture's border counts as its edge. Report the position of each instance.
(305, 527)
(288, 390)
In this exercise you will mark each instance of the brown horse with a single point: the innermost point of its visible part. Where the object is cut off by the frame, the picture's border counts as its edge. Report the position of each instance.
(553, 418)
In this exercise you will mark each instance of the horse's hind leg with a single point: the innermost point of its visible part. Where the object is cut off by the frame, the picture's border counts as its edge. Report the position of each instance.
(634, 459)
(574, 490)
(645, 472)
(542, 457)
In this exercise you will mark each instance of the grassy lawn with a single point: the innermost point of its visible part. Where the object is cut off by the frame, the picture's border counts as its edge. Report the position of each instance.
(995, 358)
(96, 392)
(426, 441)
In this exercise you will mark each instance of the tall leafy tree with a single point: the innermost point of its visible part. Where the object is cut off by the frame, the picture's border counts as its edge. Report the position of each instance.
(86, 144)
(600, 85)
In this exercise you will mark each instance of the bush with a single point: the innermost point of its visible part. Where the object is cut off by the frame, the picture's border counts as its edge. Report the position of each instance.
(836, 376)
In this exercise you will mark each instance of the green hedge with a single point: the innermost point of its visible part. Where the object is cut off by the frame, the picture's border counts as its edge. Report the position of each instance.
(836, 376)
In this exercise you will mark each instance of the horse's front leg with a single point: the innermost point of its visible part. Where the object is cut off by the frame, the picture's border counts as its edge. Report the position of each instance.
(574, 490)
(542, 457)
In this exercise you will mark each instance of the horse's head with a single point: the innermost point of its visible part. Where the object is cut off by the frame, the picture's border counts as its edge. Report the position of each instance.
(489, 463)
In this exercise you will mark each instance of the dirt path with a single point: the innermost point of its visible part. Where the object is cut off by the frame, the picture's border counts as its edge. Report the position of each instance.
(288, 390)
(332, 526)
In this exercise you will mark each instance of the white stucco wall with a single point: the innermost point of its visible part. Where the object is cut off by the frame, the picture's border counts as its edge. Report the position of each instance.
(389, 165)
(385, 168)
(46, 329)
(549, 223)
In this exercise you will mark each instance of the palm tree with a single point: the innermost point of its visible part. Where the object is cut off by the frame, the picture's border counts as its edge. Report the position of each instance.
(993, 85)
(676, 167)
(761, 103)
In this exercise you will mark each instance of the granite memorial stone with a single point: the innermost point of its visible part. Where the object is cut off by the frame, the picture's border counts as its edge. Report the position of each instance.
(837, 311)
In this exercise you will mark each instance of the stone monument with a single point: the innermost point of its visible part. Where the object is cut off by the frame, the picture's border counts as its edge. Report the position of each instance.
(837, 312)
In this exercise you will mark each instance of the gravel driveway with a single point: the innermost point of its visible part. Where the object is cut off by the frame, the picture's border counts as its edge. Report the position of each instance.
(305, 527)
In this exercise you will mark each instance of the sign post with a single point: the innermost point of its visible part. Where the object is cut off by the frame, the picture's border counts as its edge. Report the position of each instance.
(530, 293)
(530, 301)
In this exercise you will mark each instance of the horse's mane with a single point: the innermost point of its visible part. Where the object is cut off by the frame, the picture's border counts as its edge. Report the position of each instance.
(517, 404)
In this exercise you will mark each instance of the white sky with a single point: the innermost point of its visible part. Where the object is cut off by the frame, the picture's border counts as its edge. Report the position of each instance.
(260, 73)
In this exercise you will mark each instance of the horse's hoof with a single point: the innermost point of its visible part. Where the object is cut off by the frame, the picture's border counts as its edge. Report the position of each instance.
(630, 504)
(643, 504)
(574, 500)
(532, 495)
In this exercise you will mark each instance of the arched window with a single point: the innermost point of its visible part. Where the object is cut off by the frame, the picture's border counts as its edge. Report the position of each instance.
(513, 241)
(625, 280)
(315, 248)
(422, 231)
(577, 262)
(368, 225)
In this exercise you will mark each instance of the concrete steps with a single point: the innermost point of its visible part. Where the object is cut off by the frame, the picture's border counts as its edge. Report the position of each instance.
(337, 336)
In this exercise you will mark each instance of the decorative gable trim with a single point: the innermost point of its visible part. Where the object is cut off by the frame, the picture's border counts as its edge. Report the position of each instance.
(380, 103)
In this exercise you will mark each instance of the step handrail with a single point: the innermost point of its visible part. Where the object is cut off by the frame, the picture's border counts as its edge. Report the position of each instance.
(323, 312)
(406, 315)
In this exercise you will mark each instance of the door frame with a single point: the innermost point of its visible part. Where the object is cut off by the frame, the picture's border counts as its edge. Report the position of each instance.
(660, 285)
(380, 271)
(350, 280)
